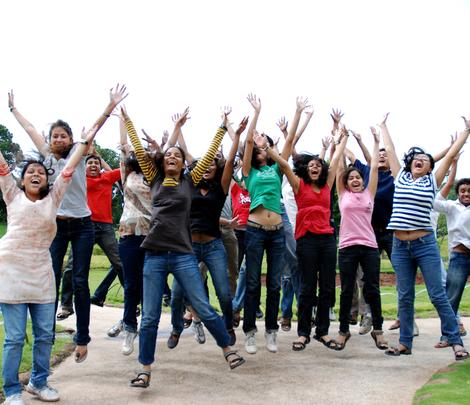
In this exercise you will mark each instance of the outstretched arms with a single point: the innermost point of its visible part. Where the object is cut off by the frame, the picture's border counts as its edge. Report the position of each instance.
(340, 139)
(249, 142)
(374, 166)
(389, 147)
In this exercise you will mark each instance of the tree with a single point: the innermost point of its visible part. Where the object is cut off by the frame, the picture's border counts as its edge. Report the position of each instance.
(13, 155)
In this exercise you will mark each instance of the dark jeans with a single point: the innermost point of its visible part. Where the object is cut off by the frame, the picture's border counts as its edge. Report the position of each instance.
(231, 247)
(384, 240)
(105, 237)
(316, 255)
(66, 298)
(78, 231)
(349, 259)
(457, 275)
(132, 258)
(256, 242)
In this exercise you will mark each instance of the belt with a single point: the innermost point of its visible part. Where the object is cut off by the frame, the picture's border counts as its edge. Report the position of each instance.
(70, 219)
(265, 227)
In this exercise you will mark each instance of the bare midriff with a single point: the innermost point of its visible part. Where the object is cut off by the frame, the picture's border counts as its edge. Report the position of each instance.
(461, 249)
(199, 237)
(263, 216)
(411, 235)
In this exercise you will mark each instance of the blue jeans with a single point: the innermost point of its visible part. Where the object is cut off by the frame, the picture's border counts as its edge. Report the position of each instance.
(256, 242)
(407, 256)
(14, 317)
(290, 277)
(105, 237)
(185, 270)
(457, 274)
(213, 255)
(80, 232)
(132, 258)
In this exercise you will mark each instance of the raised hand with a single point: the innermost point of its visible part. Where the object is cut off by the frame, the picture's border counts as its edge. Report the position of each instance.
(153, 145)
(180, 119)
(225, 113)
(226, 109)
(90, 134)
(336, 115)
(339, 134)
(165, 137)
(302, 103)
(384, 121)
(11, 100)
(124, 113)
(375, 134)
(467, 122)
(282, 124)
(117, 94)
(309, 113)
(260, 140)
(453, 138)
(254, 101)
(242, 126)
(356, 135)
(326, 141)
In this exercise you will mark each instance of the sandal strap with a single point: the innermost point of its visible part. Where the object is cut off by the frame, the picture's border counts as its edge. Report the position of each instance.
(139, 378)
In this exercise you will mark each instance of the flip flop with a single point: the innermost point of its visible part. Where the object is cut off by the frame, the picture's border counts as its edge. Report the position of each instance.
(140, 381)
(395, 351)
(80, 358)
(442, 344)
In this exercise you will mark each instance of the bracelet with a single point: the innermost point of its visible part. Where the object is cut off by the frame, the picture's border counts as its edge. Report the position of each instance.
(12, 108)
(265, 148)
(84, 142)
(107, 115)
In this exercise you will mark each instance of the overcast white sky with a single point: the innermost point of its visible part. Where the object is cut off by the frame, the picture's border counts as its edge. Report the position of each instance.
(366, 57)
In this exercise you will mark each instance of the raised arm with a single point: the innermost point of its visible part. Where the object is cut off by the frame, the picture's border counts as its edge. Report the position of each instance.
(442, 153)
(179, 120)
(146, 164)
(452, 153)
(228, 169)
(363, 147)
(301, 104)
(350, 155)
(182, 144)
(35, 136)
(389, 147)
(445, 190)
(86, 138)
(325, 142)
(153, 145)
(249, 142)
(374, 166)
(204, 163)
(340, 139)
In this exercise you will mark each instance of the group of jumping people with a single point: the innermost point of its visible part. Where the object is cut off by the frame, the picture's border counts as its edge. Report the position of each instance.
(223, 215)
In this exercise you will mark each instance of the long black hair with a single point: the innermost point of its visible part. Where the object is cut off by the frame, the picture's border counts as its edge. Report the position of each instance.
(159, 157)
(254, 161)
(301, 162)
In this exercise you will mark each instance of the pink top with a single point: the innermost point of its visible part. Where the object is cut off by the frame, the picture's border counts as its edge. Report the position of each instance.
(356, 214)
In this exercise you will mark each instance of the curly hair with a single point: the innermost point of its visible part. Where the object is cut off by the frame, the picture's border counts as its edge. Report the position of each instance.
(408, 157)
(49, 172)
(462, 182)
(301, 162)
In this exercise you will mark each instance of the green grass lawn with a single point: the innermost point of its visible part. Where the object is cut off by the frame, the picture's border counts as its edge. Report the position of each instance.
(450, 386)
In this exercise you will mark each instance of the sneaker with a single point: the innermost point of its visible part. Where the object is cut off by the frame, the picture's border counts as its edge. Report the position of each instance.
(366, 325)
(46, 393)
(332, 315)
(271, 344)
(128, 344)
(199, 334)
(415, 329)
(16, 399)
(116, 329)
(250, 343)
(462, 330)
(259, 313)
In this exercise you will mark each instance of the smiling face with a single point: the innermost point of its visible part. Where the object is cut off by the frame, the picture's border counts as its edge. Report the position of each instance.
(60, 141)
(464, 194)
(93, 167)
(34, 180)
(173, 162)
(314, 169)
(354, 182)
(383, 161)
(420, 165)
(209, 174)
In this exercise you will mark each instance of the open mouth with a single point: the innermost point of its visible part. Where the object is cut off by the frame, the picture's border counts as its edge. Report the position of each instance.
(36, 182)
(419, 165)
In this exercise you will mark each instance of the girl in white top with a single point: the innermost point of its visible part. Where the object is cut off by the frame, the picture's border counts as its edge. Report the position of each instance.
(27, 280)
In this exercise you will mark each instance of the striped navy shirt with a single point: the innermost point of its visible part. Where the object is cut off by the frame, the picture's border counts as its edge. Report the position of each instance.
(412, 202)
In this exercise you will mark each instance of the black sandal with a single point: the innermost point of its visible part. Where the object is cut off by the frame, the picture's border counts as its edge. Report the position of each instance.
(173, 340)
(330, 344)
(64, 314)
(236, 361)
(341, 346)
(460, 354)
(298, 346)
(395, 351)
(142, 380)
(382, 345)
